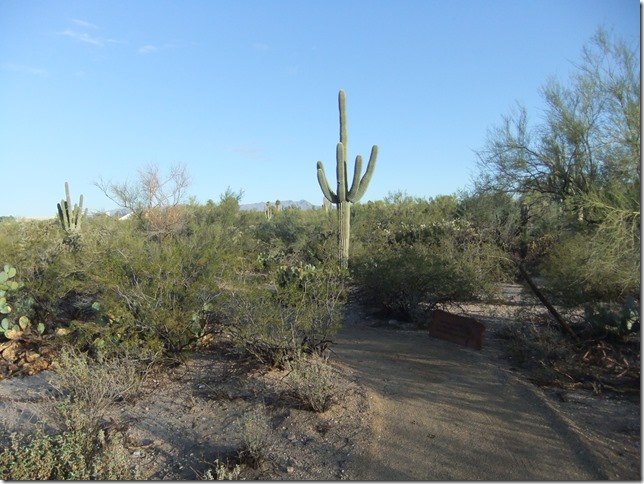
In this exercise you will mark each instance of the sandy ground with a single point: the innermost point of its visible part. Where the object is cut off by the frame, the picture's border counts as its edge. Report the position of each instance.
(443, 412)
(406, 407)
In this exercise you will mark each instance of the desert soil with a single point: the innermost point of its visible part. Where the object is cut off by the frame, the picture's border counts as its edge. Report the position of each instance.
(406, 407)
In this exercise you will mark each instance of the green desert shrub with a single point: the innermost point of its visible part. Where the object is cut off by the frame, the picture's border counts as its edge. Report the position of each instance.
(423, 265)
(256, 434)
(276, 322)
(82, 450)
(149, 292)
(222, 472)
(122, 291)
(296, 235)
(286, 230)
(618, 319)
(311, 380)
(95, 386)
(70, 455)
(399, 281)
(577, 272)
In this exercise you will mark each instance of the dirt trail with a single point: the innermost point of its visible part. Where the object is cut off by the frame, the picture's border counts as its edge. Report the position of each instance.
(407, 407)
(445, 412)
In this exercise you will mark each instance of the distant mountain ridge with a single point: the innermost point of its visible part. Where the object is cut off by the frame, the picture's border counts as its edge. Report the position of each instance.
(259, 207)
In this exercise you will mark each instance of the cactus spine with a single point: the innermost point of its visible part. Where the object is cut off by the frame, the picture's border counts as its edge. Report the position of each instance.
(345, 195)
(70, 218)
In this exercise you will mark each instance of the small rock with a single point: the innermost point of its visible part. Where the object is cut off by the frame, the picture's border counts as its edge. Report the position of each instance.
(31, 356)
(10, 352)
(562, 396)
(290, 469)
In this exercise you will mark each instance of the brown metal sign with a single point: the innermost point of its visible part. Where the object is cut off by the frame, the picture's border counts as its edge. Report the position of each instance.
(457, 329)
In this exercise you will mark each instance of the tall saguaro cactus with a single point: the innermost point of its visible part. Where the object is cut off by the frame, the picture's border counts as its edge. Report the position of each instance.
(345, 195)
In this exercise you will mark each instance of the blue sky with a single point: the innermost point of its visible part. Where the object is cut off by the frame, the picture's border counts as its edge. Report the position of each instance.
(244, 93)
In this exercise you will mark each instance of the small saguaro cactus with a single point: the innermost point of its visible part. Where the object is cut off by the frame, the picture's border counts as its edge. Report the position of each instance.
(344, 196)
(326, 204)
(70, 218)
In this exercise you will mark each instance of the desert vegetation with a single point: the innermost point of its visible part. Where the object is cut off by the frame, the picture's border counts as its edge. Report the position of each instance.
(107, 300)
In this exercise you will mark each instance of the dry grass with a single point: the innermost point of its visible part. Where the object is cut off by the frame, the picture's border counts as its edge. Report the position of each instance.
(256, 431)
(311, 381)
(95, 387)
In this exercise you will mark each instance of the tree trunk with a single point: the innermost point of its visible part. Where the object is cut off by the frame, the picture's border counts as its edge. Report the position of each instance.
(555, 314)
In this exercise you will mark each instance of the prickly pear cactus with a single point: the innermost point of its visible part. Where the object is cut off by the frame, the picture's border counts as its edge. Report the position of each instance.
(9, 326)
(6, 285)
(298, 274)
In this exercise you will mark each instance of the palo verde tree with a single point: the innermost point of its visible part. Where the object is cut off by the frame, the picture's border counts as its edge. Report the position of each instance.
(589, 138)
(581, 162)
(344, 196)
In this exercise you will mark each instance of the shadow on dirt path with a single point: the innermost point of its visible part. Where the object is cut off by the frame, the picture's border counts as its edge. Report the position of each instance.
(445, 412)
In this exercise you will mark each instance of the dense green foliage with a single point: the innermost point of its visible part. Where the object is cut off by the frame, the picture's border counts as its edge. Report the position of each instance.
(416, 254)
(125, 291)
(81, 449)
(277, 322)
(73, 454)
(576, 178)
(273, 284)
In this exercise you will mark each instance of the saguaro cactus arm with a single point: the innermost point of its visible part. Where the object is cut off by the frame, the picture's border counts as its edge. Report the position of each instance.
(79, 212)
(358, 185)
(62, 215)
(324, 185)
(361, 187)
(69, 213)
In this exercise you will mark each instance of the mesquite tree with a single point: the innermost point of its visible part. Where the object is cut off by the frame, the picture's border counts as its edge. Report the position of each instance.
(344, 196)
